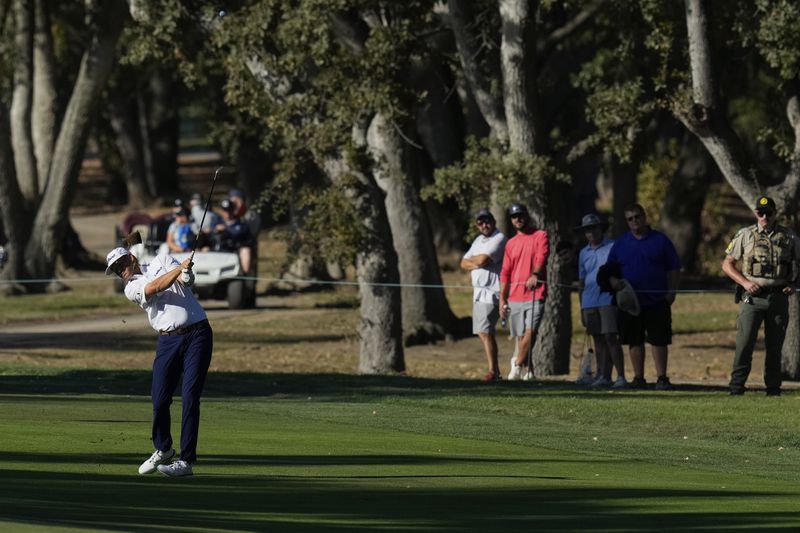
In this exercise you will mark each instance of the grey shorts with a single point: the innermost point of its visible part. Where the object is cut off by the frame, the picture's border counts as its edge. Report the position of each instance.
(520, 316)
(484, 317)
(600, 320)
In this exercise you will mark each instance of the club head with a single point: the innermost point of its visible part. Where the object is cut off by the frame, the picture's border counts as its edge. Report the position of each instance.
(134, 238)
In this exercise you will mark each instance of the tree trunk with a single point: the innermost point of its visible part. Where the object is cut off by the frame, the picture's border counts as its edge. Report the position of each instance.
(161, 118)
(380, 331)
(790, 355)
(426, 312)
(51, 219)
(14, 217)
(43, 116)
(441, 128)
(123, 118)
(22, 102)
(683, 204)
(623, 176)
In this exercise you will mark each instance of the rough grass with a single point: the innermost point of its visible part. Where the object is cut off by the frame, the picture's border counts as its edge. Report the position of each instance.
(339, 452)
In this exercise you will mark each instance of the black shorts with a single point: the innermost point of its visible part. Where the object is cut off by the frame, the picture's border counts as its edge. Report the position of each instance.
(654, 325)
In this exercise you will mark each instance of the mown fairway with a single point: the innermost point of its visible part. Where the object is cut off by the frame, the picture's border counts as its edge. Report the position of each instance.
(338, 452)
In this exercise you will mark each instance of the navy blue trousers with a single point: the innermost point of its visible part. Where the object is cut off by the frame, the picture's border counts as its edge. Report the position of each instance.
(190, 355)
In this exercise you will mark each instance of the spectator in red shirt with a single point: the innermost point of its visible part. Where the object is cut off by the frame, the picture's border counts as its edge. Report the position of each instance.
(522, 292)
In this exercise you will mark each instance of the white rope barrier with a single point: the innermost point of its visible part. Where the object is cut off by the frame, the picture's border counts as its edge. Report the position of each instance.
(95, 279)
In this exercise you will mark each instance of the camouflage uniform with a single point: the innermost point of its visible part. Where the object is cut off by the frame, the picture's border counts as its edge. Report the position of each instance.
(767, 258)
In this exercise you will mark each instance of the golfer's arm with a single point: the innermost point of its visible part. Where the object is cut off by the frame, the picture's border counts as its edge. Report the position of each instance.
(503, 291)
(162, 282)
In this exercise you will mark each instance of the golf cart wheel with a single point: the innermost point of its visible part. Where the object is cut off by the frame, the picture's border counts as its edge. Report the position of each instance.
(237, 295)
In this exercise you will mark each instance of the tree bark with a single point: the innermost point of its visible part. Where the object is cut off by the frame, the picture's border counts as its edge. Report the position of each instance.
(161, 119)
(22, 102)
(123, 118)
(44, 123)
(14, 216)
(426, 312)
(683, 203)
(380, 330)
(51, 218)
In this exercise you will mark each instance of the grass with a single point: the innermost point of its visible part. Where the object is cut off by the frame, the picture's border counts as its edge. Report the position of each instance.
(97, 300)
(337, 452)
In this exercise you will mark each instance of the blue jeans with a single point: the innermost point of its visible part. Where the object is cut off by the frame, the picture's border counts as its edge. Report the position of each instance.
(190, 355)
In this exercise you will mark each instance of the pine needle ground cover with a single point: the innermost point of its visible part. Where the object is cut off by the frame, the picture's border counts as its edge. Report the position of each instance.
(283, 452)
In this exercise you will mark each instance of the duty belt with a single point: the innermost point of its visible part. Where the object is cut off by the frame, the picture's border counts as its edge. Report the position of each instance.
(185, 329)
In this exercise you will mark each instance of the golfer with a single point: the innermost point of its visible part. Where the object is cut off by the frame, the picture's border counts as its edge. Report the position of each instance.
(185, 342)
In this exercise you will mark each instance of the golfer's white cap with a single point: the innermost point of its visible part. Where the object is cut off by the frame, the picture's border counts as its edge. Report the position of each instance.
(114, 256)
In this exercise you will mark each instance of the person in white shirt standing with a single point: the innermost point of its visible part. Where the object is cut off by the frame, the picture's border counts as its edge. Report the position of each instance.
(484, 260)
(185, 342)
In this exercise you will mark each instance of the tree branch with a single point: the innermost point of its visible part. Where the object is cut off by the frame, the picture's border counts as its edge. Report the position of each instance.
(491, 106)
(703, 86)
(544, 46)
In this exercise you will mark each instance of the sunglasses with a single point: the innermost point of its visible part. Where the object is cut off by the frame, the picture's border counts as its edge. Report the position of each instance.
(120, 265)
(762, 214)
(634, 217)
(517, 215)
(484, 222)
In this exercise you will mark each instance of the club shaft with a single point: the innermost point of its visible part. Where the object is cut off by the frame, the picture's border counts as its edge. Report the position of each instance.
(202, 220)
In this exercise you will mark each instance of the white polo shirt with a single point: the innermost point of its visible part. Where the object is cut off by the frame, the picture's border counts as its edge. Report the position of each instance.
(486, 280)
(173, 308)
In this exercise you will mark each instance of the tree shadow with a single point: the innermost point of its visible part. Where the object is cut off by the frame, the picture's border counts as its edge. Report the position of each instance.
(365, 503)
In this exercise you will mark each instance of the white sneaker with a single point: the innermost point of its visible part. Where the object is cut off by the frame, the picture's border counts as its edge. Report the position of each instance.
(516, 371)
(528, 376)
(621, 383)
(176, 469)
(158, 457)
(601, 382)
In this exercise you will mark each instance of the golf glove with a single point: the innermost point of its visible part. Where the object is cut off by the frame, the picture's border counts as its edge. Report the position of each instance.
(187, 277)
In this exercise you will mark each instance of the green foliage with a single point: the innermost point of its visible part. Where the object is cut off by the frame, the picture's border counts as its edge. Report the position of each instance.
(618, 111)
(779, 35)
(653, 180)
(490, 168)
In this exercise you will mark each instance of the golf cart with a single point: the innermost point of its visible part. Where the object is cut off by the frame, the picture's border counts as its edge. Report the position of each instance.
(218, 273)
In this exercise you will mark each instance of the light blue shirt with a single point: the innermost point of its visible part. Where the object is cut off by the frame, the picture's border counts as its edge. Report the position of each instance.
(589, 262)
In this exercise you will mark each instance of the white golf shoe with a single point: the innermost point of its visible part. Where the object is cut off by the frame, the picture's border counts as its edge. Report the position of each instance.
(176, 469)
(158, 457)
(527, 375)
(516, 372)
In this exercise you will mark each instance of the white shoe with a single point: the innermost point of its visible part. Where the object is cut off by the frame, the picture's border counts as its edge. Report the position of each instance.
(528, 376)
(176, 469)
(601, 382)
(516, 371)
(158, 457)
(621, 383)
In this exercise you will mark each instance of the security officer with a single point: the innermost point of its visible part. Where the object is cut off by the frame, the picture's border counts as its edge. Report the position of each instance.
(768, 254)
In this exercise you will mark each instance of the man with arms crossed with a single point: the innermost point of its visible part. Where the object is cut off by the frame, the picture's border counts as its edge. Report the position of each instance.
(652, 267)
(484, 259)
(522, 292)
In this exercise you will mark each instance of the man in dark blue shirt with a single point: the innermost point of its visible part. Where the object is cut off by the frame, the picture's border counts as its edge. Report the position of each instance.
(652, 267)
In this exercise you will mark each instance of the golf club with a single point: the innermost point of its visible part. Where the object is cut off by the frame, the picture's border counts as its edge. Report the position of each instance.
(202, 220)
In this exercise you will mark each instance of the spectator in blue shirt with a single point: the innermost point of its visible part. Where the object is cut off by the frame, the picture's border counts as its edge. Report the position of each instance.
(652, 267)
(598, 312)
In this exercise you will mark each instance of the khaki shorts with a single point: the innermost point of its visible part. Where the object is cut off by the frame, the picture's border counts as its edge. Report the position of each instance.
(600, 320)
(484, 317)
(520, 316)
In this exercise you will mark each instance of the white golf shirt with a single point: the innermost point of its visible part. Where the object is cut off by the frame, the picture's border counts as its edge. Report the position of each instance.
(173, 308)
(486, 280)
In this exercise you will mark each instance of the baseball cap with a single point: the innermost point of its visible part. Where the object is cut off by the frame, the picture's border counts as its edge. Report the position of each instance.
(183, 212)
(197, 197)
(764, 203)
(516, 209)
(483, 213)
(589, 221)
(113, 256)
(235, 193)
(227, 205)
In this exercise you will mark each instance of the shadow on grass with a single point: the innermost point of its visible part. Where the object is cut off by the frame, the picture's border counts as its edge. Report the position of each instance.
(322, 387)
(353, 503)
